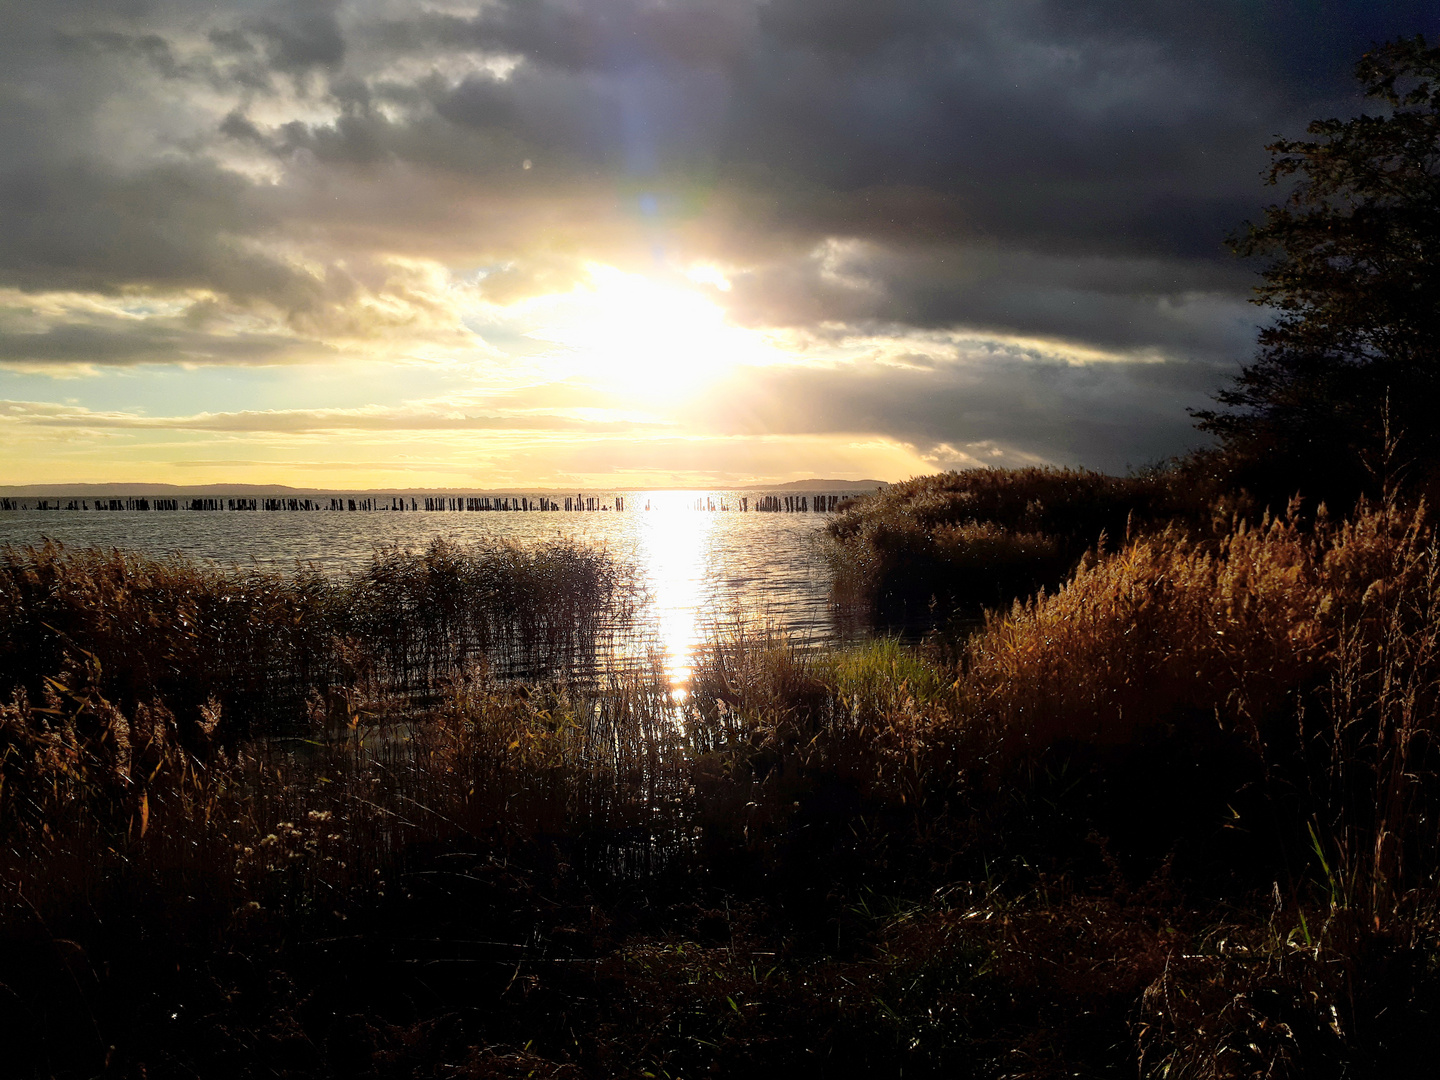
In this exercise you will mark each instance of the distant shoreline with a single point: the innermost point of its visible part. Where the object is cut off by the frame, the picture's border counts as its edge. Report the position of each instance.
(202, 490)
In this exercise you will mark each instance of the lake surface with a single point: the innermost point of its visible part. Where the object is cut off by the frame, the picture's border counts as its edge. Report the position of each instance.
(702, 569)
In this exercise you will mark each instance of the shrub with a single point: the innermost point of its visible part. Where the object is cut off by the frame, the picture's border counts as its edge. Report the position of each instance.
(923, 549)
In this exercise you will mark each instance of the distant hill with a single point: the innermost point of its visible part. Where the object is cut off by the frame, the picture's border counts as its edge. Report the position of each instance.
(197, 490)
(77, 491)
(818, 485)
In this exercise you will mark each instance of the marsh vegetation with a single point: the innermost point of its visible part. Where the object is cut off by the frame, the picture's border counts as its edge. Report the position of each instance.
(1175, 815)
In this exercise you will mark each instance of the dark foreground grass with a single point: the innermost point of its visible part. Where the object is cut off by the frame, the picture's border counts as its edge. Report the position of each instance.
(1176, 819)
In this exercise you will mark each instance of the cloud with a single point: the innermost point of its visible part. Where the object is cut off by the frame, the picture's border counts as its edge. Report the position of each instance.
(318, 180)
(1178, 309)
(950, 399)
(400, 309)
(1009, 404)
(311, 421)
(300, 35)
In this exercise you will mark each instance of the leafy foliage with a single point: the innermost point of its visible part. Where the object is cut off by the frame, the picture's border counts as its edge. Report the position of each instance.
(1347, 381)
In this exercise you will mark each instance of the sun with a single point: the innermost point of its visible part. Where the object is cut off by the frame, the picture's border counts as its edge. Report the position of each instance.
(655, 340)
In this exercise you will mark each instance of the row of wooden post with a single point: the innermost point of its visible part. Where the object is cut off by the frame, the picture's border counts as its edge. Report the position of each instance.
(788, 504)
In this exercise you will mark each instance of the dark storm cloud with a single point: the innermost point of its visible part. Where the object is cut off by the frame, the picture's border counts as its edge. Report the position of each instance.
(92, 196)
(86, 226)
(1304, 49)
(613, 35)
(852, 113)
(1034, 125)
(1109, 416)
(125, 342)
(1071, 130)
(1190, 309)
(299, 35)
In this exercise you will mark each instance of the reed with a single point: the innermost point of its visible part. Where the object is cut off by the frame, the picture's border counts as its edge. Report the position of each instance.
(264, 644)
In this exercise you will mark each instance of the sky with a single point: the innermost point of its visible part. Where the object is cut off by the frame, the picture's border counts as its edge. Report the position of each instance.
(635, 243)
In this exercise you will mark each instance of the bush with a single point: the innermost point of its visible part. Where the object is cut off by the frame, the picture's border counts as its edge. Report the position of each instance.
(961, 541)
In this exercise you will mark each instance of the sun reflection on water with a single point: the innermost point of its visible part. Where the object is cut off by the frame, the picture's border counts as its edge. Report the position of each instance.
(674, 542)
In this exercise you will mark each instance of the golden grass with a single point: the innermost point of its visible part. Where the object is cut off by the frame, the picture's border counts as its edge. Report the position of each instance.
(1317, 650)
(1174, 628)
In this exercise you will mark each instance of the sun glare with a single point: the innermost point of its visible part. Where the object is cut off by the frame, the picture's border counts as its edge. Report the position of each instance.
(673, 543)
(634, 335)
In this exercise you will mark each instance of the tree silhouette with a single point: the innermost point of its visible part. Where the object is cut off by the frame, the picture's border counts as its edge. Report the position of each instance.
(1345, 389)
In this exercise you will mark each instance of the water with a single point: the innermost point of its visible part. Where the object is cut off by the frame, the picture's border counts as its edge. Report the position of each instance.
(701, 569)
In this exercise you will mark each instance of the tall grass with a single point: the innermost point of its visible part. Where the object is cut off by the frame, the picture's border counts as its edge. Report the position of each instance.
(1175, 817)
(1313, 652)
(1168, 630)
(263, 644)
(187, 858)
